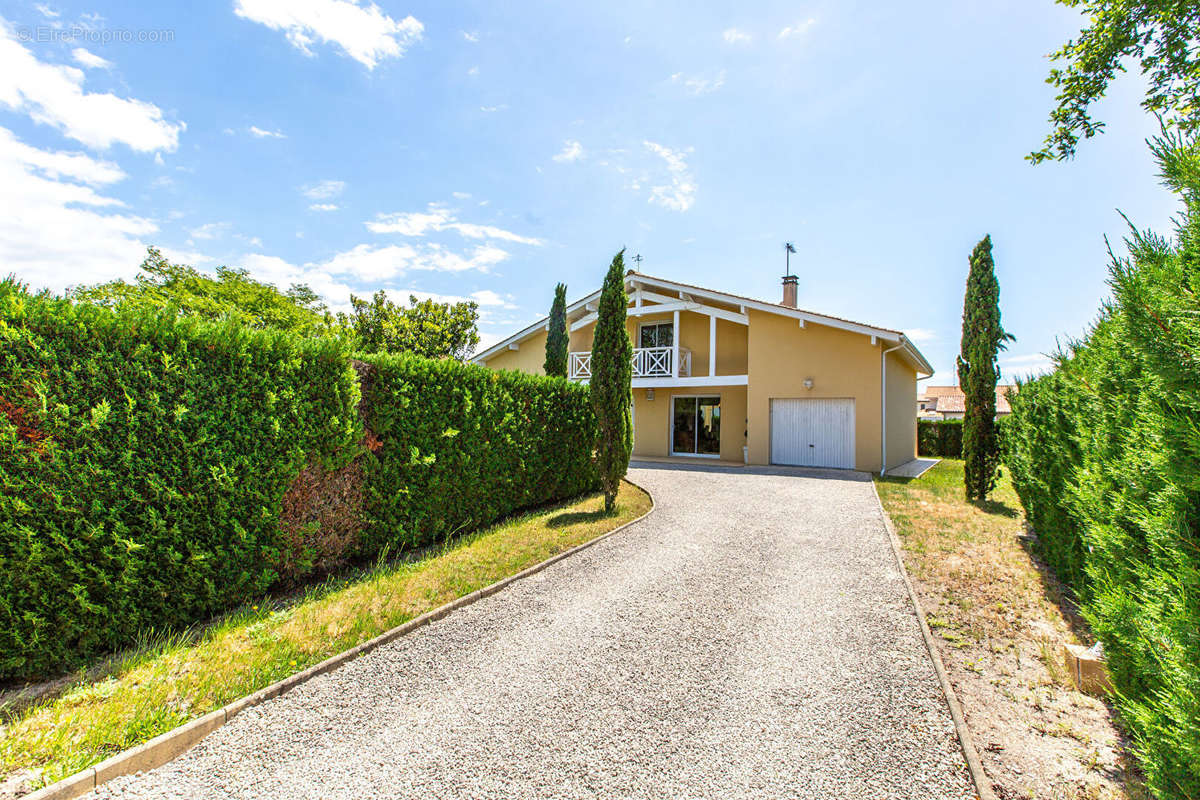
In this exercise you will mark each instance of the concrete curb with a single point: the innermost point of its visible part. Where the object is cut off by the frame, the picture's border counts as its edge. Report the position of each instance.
(983, 786)
(166, 746)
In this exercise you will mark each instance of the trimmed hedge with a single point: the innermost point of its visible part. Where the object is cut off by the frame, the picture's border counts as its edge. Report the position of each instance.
(143, 460)
(157, 470)
(463, 446)
(939, 438)
(1105, 455)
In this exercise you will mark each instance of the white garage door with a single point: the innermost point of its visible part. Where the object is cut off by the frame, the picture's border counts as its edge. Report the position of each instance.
(813, 433)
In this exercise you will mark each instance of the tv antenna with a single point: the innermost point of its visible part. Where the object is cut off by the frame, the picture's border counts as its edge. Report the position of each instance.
(637, 259)
(788, 249)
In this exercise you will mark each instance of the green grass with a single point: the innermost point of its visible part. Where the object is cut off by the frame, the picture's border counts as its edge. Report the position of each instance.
(177, 678)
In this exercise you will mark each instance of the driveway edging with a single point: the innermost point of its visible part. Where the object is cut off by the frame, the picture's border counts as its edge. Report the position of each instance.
(166, 746)
(983, 786)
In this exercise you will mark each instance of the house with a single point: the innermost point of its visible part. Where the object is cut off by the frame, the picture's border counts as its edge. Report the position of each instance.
(720, 376)
(948, 402)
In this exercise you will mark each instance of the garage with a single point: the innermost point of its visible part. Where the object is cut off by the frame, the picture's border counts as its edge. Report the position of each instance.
(813, 432)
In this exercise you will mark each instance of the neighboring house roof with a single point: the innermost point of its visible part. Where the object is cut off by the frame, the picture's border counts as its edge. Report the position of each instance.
(639, 278)
(950, 399)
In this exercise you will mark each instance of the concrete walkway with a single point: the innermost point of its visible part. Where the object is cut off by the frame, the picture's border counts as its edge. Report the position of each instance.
(751, 638)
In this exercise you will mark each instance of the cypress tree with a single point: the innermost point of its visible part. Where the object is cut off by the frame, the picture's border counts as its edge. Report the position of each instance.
(556, 338)
(611, 384)
(982, 339)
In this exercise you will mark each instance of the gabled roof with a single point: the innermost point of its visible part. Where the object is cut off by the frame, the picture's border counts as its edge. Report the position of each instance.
(635, 279)
(952, 399)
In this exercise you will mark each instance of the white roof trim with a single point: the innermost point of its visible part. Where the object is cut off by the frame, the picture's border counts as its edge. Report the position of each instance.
(636, 279)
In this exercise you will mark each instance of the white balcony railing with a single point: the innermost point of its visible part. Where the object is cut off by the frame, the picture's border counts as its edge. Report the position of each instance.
(648, 362)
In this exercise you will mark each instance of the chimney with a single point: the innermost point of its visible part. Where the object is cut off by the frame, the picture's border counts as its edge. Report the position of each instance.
(789, 290)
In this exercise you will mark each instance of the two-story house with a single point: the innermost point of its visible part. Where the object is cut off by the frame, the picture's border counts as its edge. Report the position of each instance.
(725, 377)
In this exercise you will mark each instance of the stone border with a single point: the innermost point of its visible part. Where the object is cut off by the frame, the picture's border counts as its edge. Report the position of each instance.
(167, 746)
(983, 786)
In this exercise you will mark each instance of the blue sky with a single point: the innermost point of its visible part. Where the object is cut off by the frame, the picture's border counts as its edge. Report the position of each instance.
(488, 150)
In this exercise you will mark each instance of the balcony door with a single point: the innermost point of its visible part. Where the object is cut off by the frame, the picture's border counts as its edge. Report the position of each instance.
(657, 334)
(696, 426)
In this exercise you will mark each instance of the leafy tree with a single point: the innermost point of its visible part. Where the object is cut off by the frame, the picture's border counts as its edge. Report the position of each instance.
(982, 339)
(231, 294)
(1162, 35)
(433, 330)
(612, 383)
(557, 339)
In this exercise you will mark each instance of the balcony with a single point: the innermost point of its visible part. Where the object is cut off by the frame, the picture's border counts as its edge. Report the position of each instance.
(648, 362)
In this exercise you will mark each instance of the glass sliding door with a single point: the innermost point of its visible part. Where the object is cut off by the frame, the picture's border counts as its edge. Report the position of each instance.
(696, 426)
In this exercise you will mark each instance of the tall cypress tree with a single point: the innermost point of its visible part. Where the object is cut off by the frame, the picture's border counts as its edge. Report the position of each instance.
(982, 339)
(556, 337)
(612, 382)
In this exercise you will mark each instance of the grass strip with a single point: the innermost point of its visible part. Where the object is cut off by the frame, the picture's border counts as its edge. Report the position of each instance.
(179, 678)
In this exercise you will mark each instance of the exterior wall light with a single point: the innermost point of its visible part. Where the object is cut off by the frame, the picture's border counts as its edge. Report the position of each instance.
(649, 394)
(808, 383)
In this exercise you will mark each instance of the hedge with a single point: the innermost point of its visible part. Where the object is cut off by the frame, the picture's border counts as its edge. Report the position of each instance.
(462, 446)
(156, 470)
(939, 438)
(1105, 455)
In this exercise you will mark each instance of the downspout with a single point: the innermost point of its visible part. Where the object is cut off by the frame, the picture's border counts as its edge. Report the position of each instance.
(883, 406)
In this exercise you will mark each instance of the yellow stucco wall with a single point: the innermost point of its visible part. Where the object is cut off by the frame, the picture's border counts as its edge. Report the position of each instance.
(529, 358)
(652, 419)
(901, 421)
(840, 363)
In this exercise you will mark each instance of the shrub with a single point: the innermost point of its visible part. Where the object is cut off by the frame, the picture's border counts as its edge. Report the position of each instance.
(939, 438)
(1105, 455)
(461, 446)
(143, 461)
(155, 470)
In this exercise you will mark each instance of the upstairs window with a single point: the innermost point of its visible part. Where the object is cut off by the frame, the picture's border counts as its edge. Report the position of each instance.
(657, 334)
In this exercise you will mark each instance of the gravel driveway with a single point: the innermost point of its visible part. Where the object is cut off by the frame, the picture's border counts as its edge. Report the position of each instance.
(751, 638)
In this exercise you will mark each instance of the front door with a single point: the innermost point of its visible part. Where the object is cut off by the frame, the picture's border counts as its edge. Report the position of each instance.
(696, 426)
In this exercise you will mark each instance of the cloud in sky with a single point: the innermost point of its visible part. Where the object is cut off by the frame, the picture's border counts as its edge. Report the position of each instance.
(470, 36)
(696, 85)
(572, 151)
(49, 192)
(736, 36)
(261, 133)
(679, 193)
(361, 30)
(89, 60)
(53, 94)
(920, 335)
(798, 29)
(323, 207)
(324, 190)
(437, 218)
(210, 230)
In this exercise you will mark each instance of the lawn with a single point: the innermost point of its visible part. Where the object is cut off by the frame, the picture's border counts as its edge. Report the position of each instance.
(165, 684)
(1001, 619)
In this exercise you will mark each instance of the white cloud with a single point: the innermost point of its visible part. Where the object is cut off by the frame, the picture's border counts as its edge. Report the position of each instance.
(46, 11)
(209, 230)
(920, 335)
(493, 109)
(485, 298)
(470, 36)
(461, 195)
(323, 207)
(56, 229)
(572, 151)
(437, 218)
(697, 86)
(362, 30)
(89, 60)
(1026, 364)
(324, 190)
(799, 29)
(261, 133)
(53, 94)
(680, 192)
(273, 269)
(735, 36)
(473, 71)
